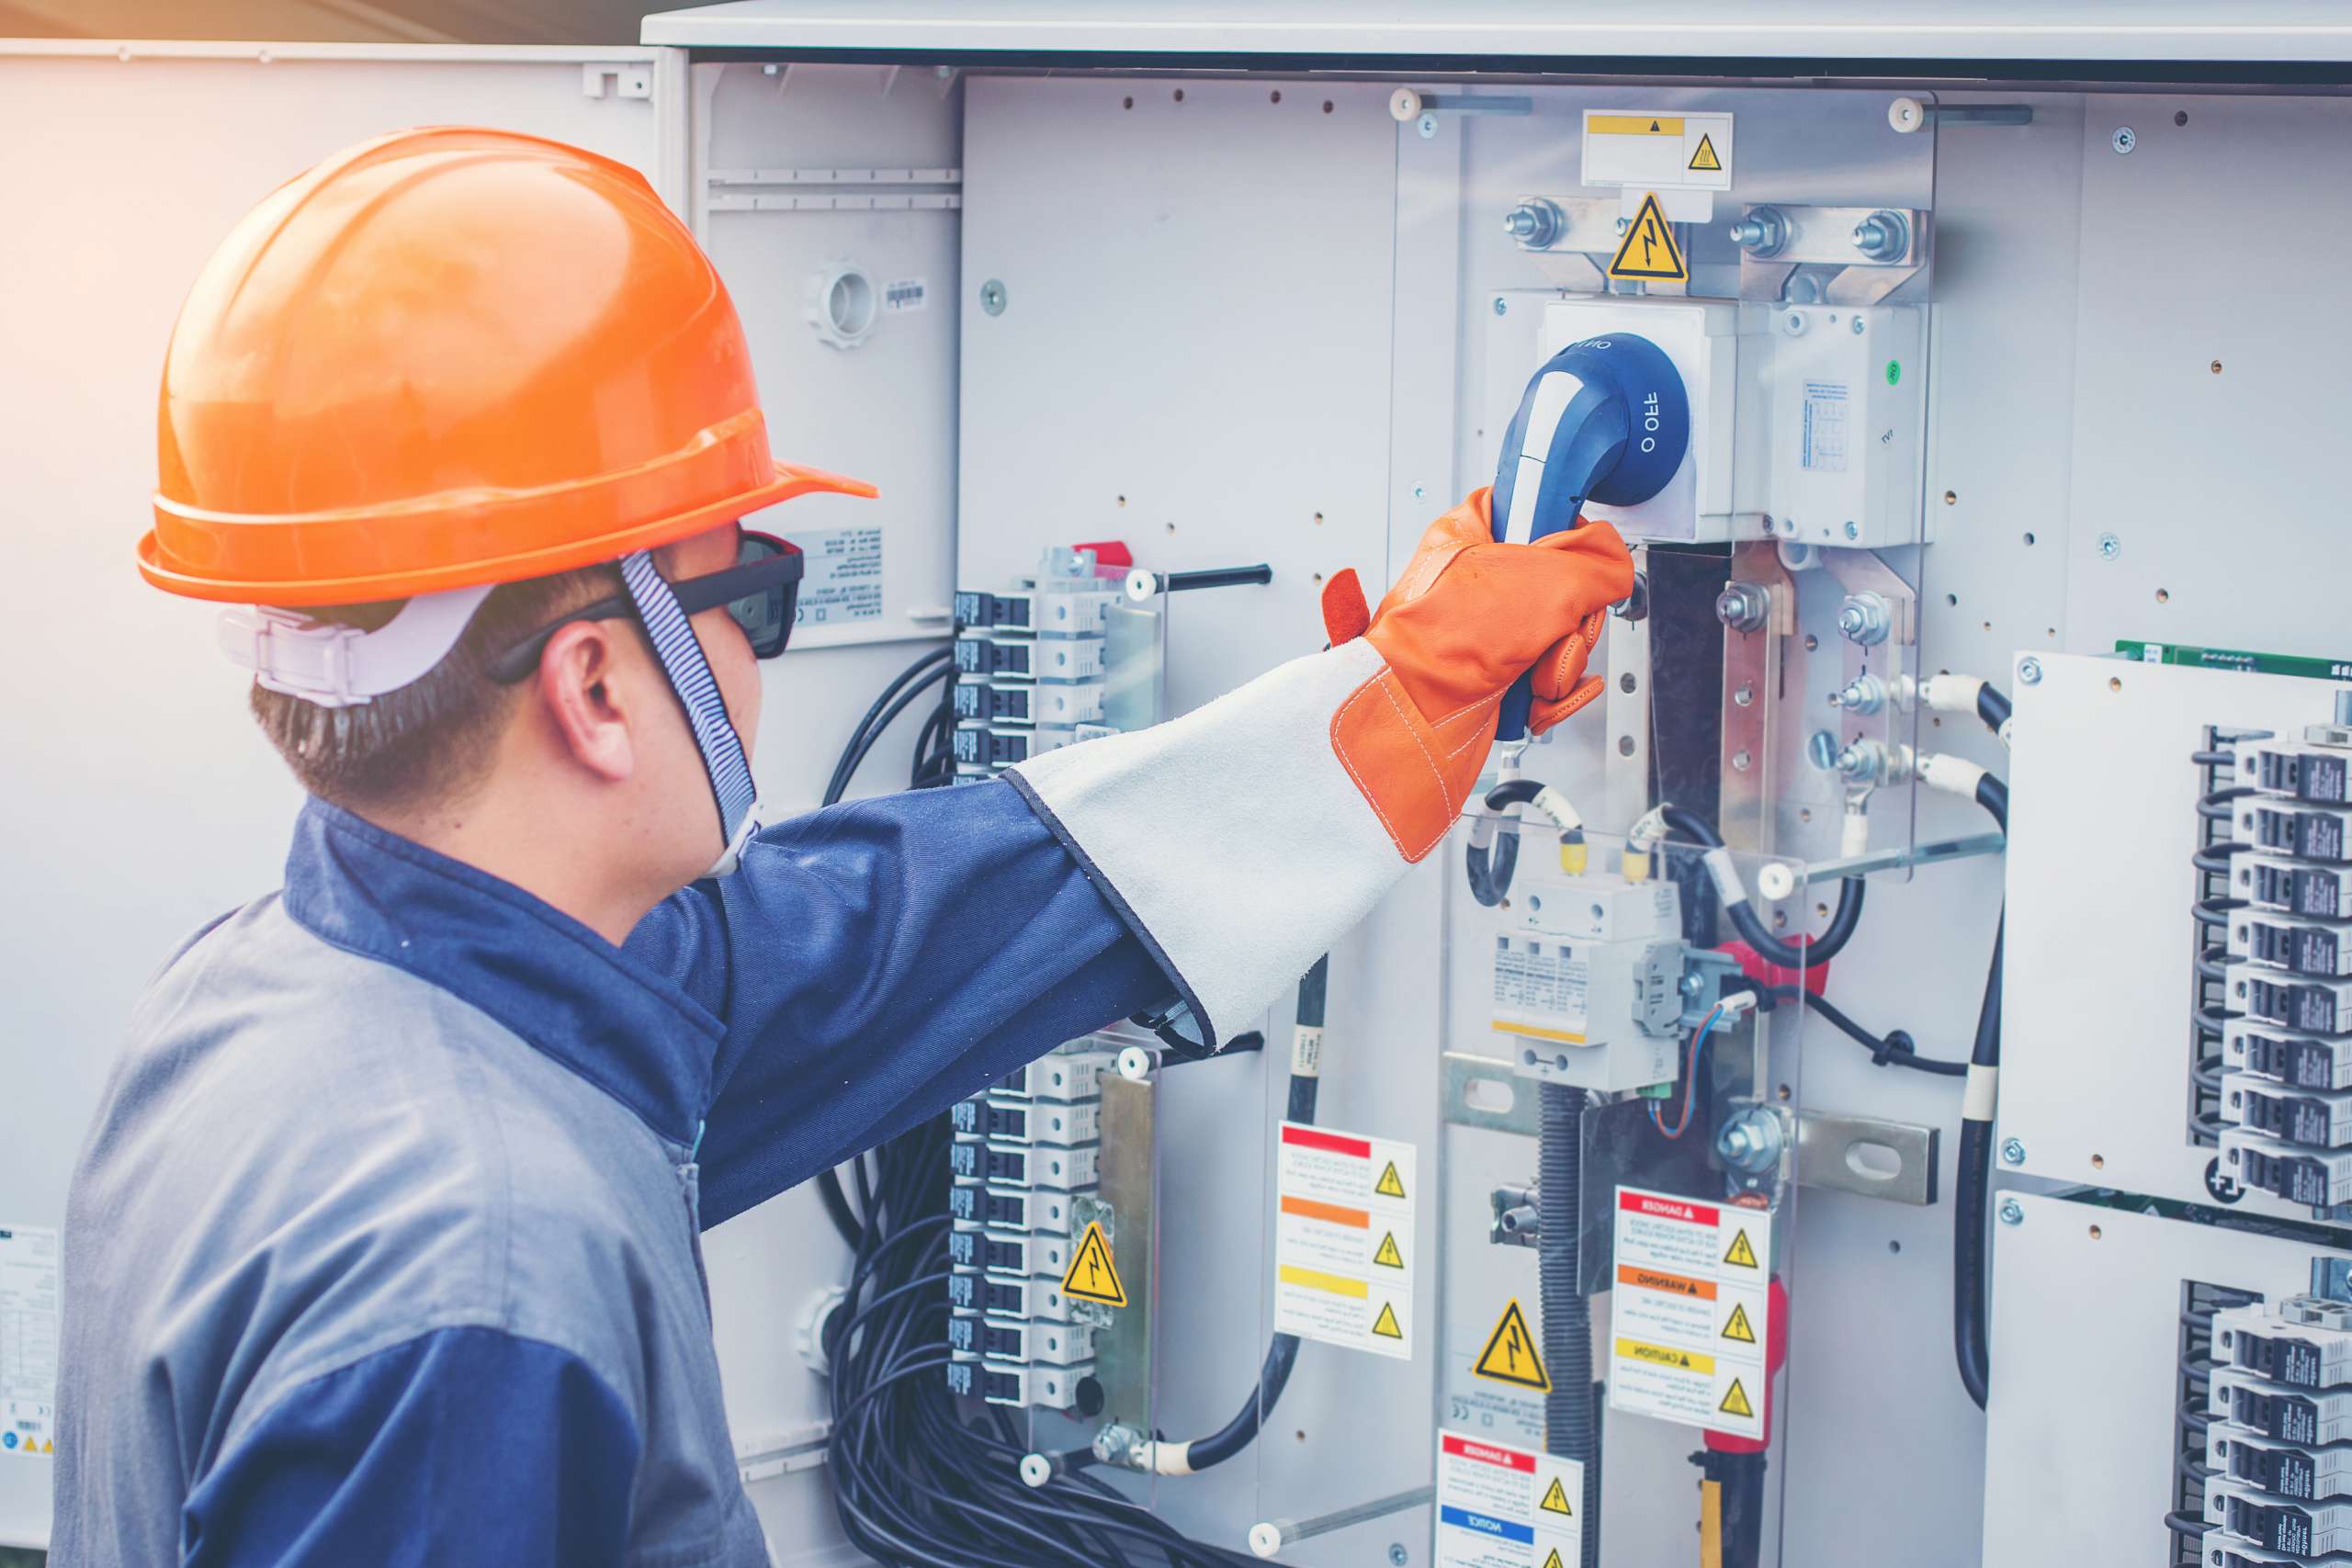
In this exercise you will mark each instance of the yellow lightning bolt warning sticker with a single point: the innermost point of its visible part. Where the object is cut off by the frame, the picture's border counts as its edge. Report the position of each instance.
(1511, 1355)
(1649, 250)
(1092, 1276)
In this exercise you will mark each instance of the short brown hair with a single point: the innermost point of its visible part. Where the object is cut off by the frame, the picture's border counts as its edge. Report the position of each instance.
(432, 738)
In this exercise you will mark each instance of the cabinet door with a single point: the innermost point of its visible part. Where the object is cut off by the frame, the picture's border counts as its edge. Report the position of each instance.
(139, 800)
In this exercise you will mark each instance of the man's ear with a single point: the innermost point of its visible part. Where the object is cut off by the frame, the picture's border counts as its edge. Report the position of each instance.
(584, 702)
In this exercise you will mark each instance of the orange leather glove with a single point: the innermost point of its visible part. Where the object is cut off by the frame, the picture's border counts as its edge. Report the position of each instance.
(1465, 617)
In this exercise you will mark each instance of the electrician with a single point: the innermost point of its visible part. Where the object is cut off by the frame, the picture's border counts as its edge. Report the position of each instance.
(384, 1246)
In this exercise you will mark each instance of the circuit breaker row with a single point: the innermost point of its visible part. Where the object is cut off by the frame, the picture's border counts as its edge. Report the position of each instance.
(2285, 1085)
(1024, 1152)
(1032, 668)
(2280, 1446)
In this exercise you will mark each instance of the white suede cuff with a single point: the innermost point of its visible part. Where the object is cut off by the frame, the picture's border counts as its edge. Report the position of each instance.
(1231, 839)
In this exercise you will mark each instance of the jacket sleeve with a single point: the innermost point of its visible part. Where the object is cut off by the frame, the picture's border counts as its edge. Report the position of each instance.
(875, 961)
(465, 1446)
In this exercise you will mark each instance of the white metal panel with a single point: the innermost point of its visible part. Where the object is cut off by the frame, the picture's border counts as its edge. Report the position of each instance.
(143, 801)
(1839, 30)
(2085, 1328)
(2103, 819)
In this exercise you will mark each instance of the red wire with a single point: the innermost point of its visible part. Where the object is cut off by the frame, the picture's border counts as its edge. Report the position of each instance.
(1689, 1082)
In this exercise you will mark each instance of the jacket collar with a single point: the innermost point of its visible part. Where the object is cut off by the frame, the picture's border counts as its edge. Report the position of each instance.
(623, 1027)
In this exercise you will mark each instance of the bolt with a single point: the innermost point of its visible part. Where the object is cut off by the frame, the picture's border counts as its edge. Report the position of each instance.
(1883, 236)
(1821, 751)
(1427, 126)
(2124, 139)
(1853, 530)
(1397, 1555)
(1536, 223)
(1741, 761)
(1502, 306)
(992, 297)
(1745, 696)
(2012, 1212)
(1865, 619)
(1750, 1141)
(2109, 546)
(2030, 670)
(1744, 606)
(1690, 985)
(1764, 233)
(1858, 326)
(2012, 1151)
(1862, 694)
(1862, 762)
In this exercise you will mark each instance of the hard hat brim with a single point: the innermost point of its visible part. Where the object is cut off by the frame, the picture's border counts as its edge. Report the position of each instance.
(789, 479)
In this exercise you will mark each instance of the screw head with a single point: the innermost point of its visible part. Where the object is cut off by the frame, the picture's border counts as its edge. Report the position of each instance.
(2012, 1212)
(1741, 761)
(1857, 328)
(1502, 306)
(1397, 1555)
(1853, 530)
(2012, 1151)
(1745, 696)
(1427, 126)
(2109, 546)
(1821, 751)
(2124, 139)
(992, 297)
(2030, 670)
(1419, 493)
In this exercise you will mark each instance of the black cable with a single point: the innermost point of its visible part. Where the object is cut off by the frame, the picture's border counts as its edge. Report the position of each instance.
(1971, 1346)
(855, 758)
(1992, 706)
(842, 769)
(1894, 1050)
(1571, 1414)
(1821, 949)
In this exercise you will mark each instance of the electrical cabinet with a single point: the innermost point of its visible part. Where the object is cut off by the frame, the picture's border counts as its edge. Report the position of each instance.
(1149, 323)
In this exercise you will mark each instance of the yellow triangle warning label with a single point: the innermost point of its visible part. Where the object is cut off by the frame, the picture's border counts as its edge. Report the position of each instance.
(1704, 158)
(1555, 1501)
(1739, 1251)
(1735, 1401)
(1092, 1276)
(1385, 1324)
(1553, 1560)
(1390, 1184)
(1511, 1355)
(1649, 250)
(1388, 1257)
(1738, 1328)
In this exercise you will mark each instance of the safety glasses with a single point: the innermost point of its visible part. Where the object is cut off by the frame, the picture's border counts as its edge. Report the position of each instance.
(761, 590)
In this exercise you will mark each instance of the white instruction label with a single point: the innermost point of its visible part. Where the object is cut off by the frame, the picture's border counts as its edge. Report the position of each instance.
(843, 577)
(1657, 152)
(28, 1306)
(1499, 1506)
(905, 294)
(1822, 435)
(1690, 1314)
(1344, 1249)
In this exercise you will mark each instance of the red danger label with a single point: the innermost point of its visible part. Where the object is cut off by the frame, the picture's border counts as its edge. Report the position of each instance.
(1660, 1208)
(1510, 1458)
(1330, 1143)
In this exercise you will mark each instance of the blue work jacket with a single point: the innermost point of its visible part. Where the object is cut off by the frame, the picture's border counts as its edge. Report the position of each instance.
(383, 1247)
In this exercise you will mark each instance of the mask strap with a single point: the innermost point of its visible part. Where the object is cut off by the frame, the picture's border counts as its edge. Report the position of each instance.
(676, 645)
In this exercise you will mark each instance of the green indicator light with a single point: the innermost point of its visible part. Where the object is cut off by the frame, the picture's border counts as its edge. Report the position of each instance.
(1893, 371)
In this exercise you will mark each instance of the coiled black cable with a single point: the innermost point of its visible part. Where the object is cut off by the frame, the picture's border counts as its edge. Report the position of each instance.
(1821, 949)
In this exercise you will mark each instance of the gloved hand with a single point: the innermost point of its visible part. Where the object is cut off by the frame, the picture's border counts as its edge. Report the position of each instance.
(1465, 617)
(1243, 838)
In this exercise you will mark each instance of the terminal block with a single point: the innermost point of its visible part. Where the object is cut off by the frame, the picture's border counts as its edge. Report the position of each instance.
(2279, 1468)
(1064, 1075)
(1040, 1299)
(1025, 702)
(2304, 1006)
(2325, 1065)
(1010, 1207)
(2307, 832)
(2312, 1118)
(1063, 659)
(2298, 947)
(1017, 1165)
(1008, 1252)
(2311, 1418)
(2321, 1179)
(2315, 892)
(1044, 1388)
(1014, 1339)
(2299, 1530)
(2296, 768)
(1018, 1122)
(2303, 1342)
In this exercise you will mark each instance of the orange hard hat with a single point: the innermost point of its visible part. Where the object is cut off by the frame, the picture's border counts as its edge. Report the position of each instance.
(449, 357)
